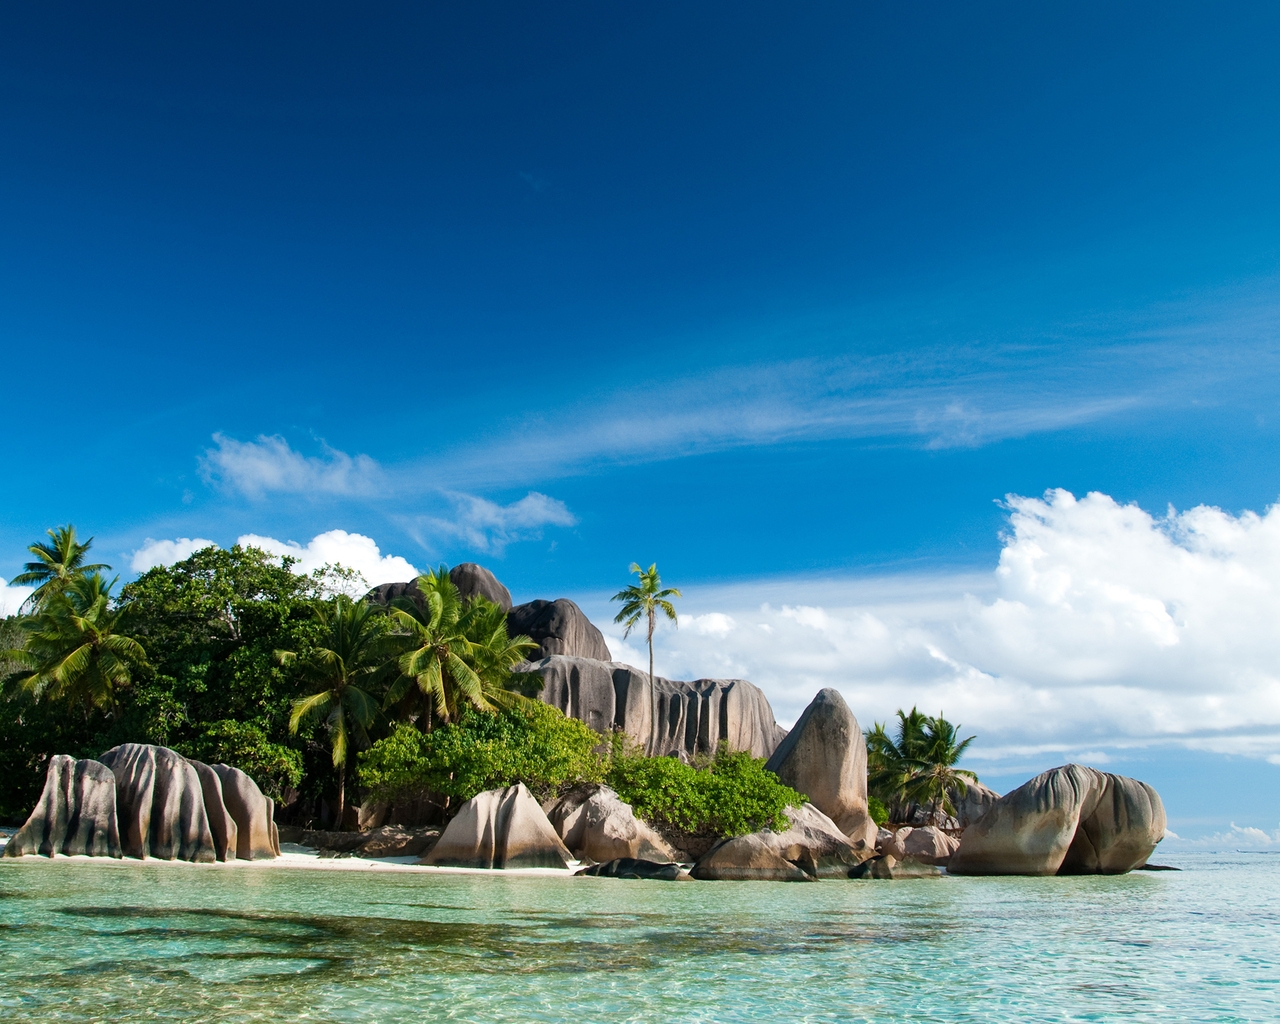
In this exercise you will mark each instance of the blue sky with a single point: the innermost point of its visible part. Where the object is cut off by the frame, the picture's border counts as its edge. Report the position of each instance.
(777, 299)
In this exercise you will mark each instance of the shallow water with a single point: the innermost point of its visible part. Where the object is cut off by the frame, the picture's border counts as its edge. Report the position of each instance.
(90, 941)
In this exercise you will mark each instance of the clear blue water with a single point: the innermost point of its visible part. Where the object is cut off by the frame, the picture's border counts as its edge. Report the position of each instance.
(86, 941)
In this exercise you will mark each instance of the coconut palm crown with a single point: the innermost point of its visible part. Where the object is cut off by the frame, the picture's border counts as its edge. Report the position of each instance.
(58, 561)
(643, 600)
(919, 766)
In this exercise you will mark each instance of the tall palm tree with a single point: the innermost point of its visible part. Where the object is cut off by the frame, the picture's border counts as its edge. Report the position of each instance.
(58, 562)
(74, 650)
(919, 765)
(455, 654)
(356, 652)
(643, 600)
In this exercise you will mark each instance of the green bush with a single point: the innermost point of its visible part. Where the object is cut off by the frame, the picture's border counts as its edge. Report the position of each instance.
(879, 813)
(730, 796)
(531, 743)
(273, 766)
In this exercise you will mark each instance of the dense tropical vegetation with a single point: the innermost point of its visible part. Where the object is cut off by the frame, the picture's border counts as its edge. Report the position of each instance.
(231, 655)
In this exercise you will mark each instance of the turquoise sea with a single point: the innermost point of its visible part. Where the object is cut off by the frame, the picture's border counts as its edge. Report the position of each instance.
(89, 941)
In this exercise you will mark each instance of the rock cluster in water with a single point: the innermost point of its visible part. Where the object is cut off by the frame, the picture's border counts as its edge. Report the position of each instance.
(139, 800)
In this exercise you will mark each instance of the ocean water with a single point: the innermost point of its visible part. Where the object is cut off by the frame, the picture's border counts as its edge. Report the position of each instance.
(91, 941)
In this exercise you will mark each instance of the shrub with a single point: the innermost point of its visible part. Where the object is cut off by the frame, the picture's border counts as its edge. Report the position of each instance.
(879, 813)
(532, 743)
(730, 796)
(273, 766)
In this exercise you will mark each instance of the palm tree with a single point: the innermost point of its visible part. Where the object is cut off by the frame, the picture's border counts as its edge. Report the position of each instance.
(356, 652)
(919, 766)
(645, 600)
(58, 561)
(73, 648)
(456, 654)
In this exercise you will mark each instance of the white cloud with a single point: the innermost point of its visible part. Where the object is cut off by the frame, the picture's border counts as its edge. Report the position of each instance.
(11, 598)
(1102, 628)
(256, 468)
(166, 552)
(1239, 837)
(489, 527)
(337, 547)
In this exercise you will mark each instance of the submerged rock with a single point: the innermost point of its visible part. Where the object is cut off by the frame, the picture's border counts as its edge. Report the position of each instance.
(662, 716)
(596, 825)
(631, 867)
(749, 858)
(160, 804)
(500, 828)
(76, 813)
(889, 867)
(1070, 819)
(824, 757)
(558, 627)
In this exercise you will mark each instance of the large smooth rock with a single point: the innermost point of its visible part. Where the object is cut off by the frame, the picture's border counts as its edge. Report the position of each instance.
(661, 715)
(888, 866)
(500, 828)
(257, 837)
(750, 858)
(471, 580)
(976, 801)
(927, 844)
(160, 804)
(595, 824)
(630, 867)
(76, 814)
(221, 823)
(824, 757)
(558, 627)
(1104, 824)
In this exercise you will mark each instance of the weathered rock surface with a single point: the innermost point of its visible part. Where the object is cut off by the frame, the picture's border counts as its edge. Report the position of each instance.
(221, 823)
(976, 801)
(471, 580)
(630, 867)
(558, 627)
(662, 716)
(387, 841)
(890, 867)
(825, 757)
(596, 825)
(500, 828)
(1070, 819)
(253, 812)
(76, 814)
(927, 844)
(750, 858)
(160, 804)
(812, 845)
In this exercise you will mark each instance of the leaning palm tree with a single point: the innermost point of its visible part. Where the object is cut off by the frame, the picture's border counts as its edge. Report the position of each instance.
(74, 650)
(58, 562)
(643, 600)
(456, 655)
(354, 654)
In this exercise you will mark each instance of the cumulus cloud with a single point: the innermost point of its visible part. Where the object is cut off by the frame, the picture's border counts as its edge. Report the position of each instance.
(1102, 627)
(166, 552)
(11, 598)
(337, 547)
(269, 464)
(489, 527)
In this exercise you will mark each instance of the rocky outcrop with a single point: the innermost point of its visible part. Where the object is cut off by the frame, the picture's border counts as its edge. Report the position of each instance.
(629, 867)
(824, 757)
(500, 828)
(471, 580)
(812, 845)
(254, 814)
(221, 823)
(76, 814)
(662, 716)
(888, 866)
(160, 804)
(1070, 820)
(928, 845)
(386, 841)
(558, 627)
(596, 825)
(976, 801)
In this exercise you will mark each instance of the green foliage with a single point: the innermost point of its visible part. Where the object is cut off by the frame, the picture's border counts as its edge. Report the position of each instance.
(879, 813)
(918, 766)
(58, 561)
(730, 796)
(529, 742)
(273, 766)
(643, 600)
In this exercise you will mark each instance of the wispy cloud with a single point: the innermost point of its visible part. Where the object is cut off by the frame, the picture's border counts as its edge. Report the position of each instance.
(270, 464)
(488, 526)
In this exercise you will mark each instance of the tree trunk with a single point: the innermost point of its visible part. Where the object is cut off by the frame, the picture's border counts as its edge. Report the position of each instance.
(342, 795)
(651, 625)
